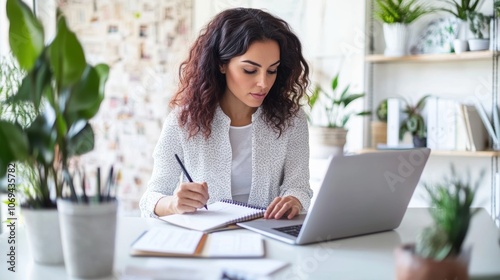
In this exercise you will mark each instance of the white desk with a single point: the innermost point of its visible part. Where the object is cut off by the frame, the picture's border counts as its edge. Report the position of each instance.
(365, 257)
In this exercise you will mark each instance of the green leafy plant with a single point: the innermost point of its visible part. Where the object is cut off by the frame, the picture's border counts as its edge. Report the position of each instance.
(382, 111)
(11, 76)
(414, 121)
(65, 93)
(479, 24)
(461, 8)
(450, 202)
(400, 11)
(335, 104)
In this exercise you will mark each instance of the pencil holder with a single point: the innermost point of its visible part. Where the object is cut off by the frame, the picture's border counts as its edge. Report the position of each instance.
(88, 237)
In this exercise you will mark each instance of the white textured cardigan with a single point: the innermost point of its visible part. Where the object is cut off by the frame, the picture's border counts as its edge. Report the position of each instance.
(280, 166)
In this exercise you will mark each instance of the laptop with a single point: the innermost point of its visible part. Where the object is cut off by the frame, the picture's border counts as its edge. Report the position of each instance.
(359, 194)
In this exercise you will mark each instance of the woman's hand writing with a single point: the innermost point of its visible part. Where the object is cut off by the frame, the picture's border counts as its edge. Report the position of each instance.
(187, 198)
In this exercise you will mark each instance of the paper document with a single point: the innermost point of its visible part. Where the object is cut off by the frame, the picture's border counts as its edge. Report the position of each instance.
(169, 241)
(172, 240)
(234, 244)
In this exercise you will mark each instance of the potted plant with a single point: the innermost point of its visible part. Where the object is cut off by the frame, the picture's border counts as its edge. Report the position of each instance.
(334, 113)
(379, 127)
(438, 252)
(479, 27)
(414, 122)
(65, 93)
(396, 15)
(461, 9)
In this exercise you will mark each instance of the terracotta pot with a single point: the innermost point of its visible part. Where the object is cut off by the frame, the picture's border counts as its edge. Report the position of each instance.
(412, 267)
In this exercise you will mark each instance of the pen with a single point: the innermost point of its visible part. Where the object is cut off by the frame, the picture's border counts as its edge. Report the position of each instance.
(185, 172)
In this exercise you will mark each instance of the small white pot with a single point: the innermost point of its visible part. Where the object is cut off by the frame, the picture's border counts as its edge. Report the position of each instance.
(460, 46)
(479, 44)
(43, 234)
(396, 39)
(88, 237)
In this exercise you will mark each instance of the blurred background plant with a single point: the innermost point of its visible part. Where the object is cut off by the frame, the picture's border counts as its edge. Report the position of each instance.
(21, 112)
(450, 204)
(334, 104)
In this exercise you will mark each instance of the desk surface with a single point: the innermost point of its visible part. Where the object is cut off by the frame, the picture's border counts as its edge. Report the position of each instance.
(364, 257)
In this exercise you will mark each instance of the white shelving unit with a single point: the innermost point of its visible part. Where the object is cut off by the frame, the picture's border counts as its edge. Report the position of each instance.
(379, 67)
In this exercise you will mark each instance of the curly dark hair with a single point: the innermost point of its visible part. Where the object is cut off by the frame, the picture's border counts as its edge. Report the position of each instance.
(229, 34)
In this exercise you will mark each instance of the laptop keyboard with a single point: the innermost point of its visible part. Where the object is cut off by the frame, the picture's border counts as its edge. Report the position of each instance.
(291, 230)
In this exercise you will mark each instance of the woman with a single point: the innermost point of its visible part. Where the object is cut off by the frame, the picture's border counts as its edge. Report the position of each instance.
(236, 122)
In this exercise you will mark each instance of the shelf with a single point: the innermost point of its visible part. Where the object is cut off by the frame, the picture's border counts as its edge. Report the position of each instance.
(443, 153)
(478, 55)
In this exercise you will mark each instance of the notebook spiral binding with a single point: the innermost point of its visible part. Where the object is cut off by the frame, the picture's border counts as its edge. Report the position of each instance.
(230, 201)
(247, 217)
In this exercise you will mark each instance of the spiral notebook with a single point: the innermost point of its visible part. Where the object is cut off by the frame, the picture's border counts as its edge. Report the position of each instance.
(219, 215)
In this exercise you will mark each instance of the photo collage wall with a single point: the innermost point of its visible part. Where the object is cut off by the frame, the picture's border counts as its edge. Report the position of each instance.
(143, 42)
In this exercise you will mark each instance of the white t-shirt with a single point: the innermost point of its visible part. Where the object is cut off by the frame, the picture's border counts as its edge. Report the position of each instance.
(241, 168)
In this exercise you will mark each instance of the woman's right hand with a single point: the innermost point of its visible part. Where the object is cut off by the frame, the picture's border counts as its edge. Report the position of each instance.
(187, 198)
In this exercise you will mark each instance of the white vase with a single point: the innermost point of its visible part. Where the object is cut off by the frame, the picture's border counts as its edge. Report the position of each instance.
(463, 30)
(88, 237)
(43, 234)
(396, 39)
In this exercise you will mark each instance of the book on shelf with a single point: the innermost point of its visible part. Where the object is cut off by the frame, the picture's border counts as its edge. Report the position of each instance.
(475, 127)
(163, 241)
(219, 215)
(395, 115)
(454, 126)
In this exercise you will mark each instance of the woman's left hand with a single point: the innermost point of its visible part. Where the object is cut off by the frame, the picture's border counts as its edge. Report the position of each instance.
(288, 205)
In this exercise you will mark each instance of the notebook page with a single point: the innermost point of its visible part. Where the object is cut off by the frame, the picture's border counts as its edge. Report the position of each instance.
(217, 215)
(234, 244)
(169, 240)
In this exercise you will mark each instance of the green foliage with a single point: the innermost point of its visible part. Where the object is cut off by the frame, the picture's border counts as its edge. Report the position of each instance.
(11, 76)
(400, 11)
(335, 103)
(382, 111)
(65, 93)
(414, 121)
(479, 24)
(450, 202)
(461, 8)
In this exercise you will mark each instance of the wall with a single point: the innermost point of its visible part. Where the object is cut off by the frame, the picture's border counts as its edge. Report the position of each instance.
(144, 67)
(333, 38)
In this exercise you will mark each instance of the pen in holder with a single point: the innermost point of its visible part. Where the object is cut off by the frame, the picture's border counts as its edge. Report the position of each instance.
(88, 225)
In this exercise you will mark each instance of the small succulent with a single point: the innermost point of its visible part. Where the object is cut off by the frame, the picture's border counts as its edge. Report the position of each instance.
(414, 122)
(382, 111)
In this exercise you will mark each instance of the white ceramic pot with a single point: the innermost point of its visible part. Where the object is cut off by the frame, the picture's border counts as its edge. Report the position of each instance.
(396, 39)
(43, 234)
(479, 44)
(325, 142)
(460, 46)
(88, 238)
